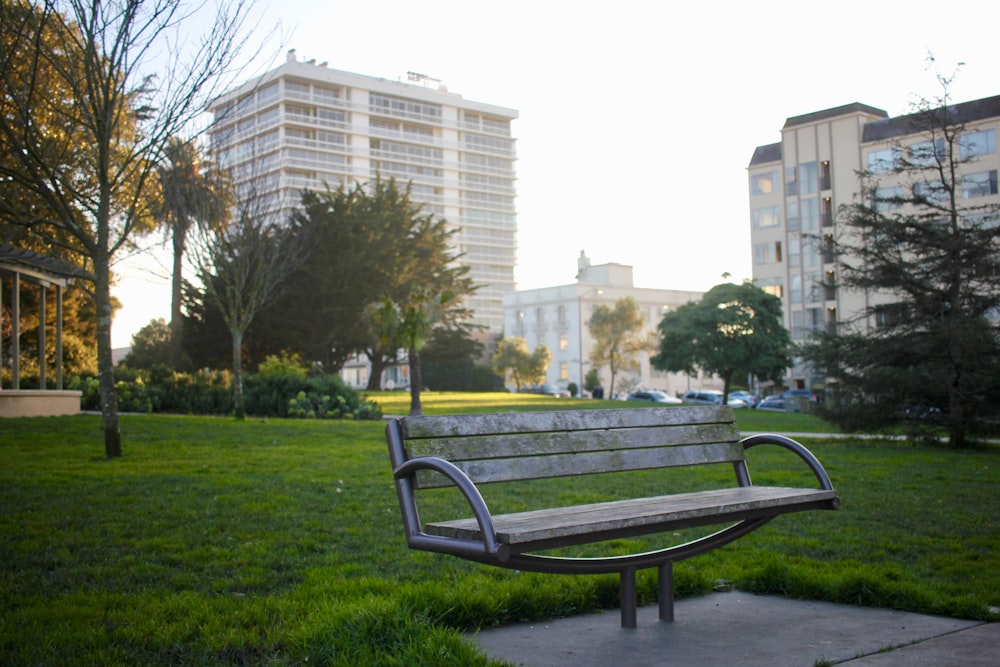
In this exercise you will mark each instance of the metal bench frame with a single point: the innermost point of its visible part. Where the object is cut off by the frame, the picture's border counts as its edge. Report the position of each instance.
(468, 450)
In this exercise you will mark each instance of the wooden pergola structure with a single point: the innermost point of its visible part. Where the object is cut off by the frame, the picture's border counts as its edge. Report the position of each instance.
(22, 266)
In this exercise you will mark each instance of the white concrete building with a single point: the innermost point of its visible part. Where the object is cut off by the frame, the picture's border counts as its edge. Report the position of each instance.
(557, 317)
(304, 125)
(797, 185)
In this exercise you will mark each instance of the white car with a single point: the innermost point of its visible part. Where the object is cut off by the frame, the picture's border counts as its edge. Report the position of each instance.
(710, 397)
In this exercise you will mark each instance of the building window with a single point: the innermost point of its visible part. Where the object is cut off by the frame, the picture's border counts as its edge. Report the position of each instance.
(927, 153)
(561, 315)
(809, 212)
(824, 175)
(889, 314)
(764, 184)
(791, 186)
(826, 212)
(564, 371)
(795, 292)
(772, 286)
(794, 223)
(884, 161)
(767, 253)
(794, 252)
(766, 217)
(979, 185)
(563, 342)
(930, 192)
(972, 144)
(808, 178)
(540, 316)
(887, 199)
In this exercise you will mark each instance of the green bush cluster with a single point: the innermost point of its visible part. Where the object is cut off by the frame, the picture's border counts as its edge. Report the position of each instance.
(276, 393)
(317, 396)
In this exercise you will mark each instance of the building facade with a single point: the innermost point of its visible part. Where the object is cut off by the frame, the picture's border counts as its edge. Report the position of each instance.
(797, 185)
(305, 126)
(557, 317)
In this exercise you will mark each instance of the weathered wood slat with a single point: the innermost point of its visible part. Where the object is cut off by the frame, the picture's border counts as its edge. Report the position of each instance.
(476, 447)
(587, 463)
(638, 516)
(564, 420)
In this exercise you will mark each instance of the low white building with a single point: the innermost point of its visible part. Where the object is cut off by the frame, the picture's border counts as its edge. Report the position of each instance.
(557, 317)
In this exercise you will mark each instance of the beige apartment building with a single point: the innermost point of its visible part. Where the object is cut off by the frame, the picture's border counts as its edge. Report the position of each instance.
(557, 317)
(797, 185)
(305, 125)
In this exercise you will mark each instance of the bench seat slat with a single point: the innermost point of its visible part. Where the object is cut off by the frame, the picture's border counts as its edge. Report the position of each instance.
(561, 420)
(586, 463)
(530, 444)
(628, 518)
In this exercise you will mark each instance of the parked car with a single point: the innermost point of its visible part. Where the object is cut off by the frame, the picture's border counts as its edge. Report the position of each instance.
(807, 394)
(546, 389)
(653, 396)
(775, 403)
(745, 396)
(709, 397)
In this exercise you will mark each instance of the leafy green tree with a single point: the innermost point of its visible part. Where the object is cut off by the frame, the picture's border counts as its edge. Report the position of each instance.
(191, 194)
(618, 337)
(369, 243)
(150, 346)
(923, 244)
(735, 330)
(83, 123)
(513, 360)
(409, 325)
(449, 360)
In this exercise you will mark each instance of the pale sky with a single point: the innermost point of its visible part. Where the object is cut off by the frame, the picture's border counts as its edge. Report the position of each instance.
(637, 118)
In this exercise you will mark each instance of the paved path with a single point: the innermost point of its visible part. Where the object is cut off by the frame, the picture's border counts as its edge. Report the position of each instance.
(748, 630)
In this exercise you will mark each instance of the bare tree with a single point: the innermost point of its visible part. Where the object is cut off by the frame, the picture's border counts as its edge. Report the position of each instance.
(90, 93)
(244, 266)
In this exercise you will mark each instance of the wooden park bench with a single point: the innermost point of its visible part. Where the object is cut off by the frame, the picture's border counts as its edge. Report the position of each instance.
(469, 451)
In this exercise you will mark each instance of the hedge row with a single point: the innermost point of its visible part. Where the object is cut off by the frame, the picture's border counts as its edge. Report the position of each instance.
(161, 389)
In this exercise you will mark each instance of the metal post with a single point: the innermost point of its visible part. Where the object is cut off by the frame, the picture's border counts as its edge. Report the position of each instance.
(627, 597)
(666, 591)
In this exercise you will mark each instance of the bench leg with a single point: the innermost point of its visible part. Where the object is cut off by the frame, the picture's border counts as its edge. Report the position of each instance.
(627, 597)
(666, 591)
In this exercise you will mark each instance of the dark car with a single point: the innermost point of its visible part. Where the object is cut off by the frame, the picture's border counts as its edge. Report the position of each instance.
(653, 396)
(806, 394)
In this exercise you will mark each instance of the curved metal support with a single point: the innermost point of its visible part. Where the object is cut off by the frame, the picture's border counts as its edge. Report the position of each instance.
(475, 499)
(803, 453)
(608, 564)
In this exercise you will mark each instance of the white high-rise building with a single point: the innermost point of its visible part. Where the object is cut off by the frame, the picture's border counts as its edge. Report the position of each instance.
(304, 125)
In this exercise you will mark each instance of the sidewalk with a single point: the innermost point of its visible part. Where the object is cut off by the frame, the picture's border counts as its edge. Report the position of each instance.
(749, 630)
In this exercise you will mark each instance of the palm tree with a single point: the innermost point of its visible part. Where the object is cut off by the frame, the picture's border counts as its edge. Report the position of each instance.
(192, 194)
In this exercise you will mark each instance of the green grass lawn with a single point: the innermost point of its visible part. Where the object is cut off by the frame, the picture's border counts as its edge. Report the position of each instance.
(215, 541)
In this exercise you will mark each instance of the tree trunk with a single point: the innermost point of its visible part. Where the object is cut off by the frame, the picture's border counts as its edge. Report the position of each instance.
(378, 365)
(105, 365)
(415, 381)
(176, 282)
(238, 410)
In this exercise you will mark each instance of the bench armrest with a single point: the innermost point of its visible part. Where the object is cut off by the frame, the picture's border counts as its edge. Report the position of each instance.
(803, 453)
(491, 546)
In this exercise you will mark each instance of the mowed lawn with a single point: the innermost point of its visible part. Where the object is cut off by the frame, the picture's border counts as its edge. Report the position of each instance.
(216, 541)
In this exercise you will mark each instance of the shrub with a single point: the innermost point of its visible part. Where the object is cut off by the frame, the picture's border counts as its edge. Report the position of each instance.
(286, 364)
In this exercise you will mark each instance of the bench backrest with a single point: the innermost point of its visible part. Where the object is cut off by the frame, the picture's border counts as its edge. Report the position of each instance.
(533, 445)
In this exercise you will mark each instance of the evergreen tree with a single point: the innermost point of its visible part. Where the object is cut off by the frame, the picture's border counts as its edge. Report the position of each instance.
(924, 248)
